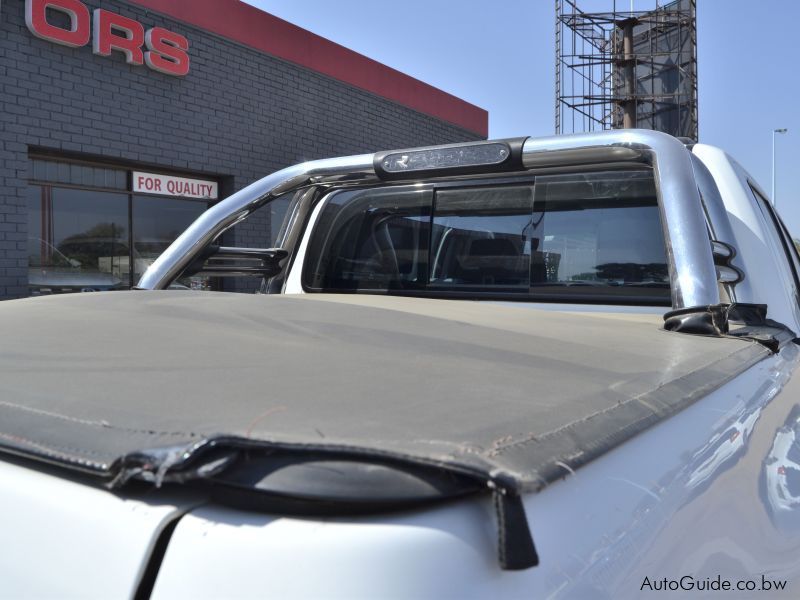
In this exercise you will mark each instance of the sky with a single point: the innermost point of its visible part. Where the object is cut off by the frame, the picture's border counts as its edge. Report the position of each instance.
(500, 55)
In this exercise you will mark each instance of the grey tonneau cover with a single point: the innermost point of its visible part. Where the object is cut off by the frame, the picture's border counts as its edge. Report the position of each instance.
(87, 379)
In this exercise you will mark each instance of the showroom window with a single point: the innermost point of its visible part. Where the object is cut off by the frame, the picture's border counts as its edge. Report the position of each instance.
(88, 230)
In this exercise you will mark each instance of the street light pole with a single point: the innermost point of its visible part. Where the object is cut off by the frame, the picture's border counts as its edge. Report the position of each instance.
(774, 131)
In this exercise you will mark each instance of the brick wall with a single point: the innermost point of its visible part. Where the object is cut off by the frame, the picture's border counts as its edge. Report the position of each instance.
(238, 115)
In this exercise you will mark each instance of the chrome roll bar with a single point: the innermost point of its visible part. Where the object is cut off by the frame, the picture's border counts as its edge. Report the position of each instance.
(693, 276)
(721, 230)
(234, 209)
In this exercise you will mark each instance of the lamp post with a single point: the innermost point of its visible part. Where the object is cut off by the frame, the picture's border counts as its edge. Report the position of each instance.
(774, 131)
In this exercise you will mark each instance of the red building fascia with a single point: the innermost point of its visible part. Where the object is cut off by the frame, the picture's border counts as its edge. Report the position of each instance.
(248, 25)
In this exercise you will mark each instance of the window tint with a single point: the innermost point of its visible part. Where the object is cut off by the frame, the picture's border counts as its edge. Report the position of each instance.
(601, 233)
(85, 240)
(781, 246)
(77, 240)
(790, 246)
(157, 222)
(77, 174)
(481, 239)
(372, 240)
(793, 453)
(596, 237)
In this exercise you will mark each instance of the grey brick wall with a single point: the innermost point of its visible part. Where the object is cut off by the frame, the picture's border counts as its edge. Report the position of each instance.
(238, 115)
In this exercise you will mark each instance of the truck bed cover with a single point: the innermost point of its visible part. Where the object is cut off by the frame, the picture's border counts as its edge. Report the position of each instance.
(89, 378)
(126, 384)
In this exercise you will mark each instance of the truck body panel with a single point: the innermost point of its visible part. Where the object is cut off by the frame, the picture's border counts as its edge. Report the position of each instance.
(499, 457)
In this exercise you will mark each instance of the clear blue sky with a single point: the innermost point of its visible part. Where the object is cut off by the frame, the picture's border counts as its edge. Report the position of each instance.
(500, 56)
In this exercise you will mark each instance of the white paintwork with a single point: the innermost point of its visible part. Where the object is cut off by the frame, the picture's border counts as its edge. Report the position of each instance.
(631, 513)
(767, 278)
(293, 283)
(670, 502)
(62, 539)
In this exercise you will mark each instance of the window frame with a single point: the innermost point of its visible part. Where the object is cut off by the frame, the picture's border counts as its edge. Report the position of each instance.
(128, 192)
(774, 221)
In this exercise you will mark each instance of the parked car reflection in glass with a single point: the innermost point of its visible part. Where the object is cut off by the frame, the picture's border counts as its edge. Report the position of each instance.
(781, 473)
(74, 266)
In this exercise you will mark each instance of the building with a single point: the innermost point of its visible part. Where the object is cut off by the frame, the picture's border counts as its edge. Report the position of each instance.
(121, 121)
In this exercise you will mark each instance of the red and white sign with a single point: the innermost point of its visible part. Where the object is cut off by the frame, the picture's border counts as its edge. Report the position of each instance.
(161, 50)
(165, 185)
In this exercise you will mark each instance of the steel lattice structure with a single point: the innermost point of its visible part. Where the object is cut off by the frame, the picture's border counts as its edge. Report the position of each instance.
(622, 69)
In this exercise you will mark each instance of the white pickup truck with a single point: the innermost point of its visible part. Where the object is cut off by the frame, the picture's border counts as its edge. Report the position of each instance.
(526, 368)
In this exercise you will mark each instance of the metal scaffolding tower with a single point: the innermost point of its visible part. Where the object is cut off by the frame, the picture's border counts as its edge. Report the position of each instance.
(623, 69)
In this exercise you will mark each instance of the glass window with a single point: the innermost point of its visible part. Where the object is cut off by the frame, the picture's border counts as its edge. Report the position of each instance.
(278, 210)
(77, 240)
(78, 174)
(793, 453)
(83, 235)
(789, 243)
(157, 222)
(372, 240)
(593, 237)
(781, 247)
(482, 239)
(600, 233)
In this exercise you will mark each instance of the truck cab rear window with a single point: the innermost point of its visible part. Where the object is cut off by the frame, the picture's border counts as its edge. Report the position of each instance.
(591, 237)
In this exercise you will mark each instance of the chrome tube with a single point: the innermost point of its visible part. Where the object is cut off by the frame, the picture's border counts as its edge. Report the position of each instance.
(227, 213)
(693, 277)
(720, 224)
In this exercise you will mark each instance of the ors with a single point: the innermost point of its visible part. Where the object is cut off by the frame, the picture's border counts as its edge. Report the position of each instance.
(161, 50)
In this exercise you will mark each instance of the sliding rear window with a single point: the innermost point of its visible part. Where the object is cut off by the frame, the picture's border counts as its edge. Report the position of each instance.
(591, 237)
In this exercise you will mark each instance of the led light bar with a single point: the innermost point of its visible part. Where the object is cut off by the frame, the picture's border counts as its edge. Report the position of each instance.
(443, 158)
(459, 158)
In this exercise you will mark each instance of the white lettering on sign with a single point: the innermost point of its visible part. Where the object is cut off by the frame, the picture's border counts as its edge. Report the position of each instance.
(166, 185)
